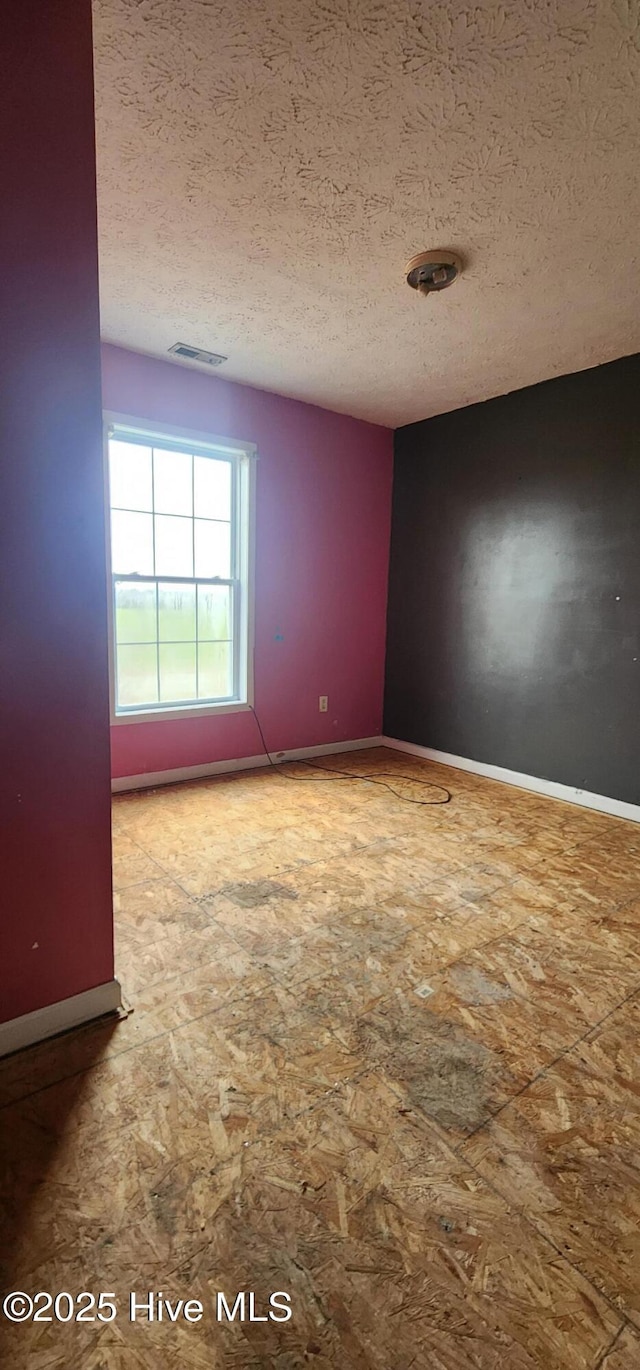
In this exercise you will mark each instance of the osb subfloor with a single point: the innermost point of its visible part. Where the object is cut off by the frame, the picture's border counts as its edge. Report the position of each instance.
(381, 1058)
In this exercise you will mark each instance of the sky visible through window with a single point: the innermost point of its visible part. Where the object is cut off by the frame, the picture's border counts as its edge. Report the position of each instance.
(171, 533)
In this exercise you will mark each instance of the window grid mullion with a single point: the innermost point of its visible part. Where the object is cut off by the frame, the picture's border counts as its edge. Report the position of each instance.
(136, 578)
(124, 509)
(180, 642)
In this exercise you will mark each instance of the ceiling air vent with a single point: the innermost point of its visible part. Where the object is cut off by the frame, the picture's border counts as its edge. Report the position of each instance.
(197, 354)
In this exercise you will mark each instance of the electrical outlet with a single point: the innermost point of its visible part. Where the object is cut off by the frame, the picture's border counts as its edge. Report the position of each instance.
(323, 703)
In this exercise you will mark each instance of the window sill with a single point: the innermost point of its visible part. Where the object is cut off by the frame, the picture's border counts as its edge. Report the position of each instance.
(163, 715)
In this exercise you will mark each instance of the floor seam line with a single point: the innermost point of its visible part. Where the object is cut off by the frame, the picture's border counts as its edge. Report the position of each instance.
(607, 1351)
(566, 1051)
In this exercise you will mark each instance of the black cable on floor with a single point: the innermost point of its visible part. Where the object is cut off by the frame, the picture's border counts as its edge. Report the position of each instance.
(332, 774)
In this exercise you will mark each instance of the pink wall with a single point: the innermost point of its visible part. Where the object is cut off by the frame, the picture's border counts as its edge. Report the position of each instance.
(56, 925)
(322, 551)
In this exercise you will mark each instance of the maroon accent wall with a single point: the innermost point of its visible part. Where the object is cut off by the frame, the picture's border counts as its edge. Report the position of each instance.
(56, 919)
(323, 513)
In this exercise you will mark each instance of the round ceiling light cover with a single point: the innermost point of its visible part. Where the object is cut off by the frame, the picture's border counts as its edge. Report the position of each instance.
(430, 271)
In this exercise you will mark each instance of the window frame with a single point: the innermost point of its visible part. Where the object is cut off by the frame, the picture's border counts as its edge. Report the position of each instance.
(244, 455)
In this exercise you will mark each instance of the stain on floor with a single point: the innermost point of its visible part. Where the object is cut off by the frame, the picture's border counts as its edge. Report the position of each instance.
(249, 894)
(282, 1111)
(474, 987)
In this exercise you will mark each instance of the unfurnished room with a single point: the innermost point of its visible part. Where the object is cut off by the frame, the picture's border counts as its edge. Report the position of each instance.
(320, 683)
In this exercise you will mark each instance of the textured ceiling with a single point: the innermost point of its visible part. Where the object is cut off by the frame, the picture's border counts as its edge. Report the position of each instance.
(265, 167)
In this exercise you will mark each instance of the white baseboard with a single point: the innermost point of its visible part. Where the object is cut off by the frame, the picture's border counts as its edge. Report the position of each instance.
(67, 1013)
(618, 808)
(150, 779)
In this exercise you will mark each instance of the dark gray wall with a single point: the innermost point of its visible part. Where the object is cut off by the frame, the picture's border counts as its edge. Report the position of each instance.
(514, 595)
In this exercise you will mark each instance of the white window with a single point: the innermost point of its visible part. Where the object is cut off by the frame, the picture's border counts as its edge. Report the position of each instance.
(180, 544)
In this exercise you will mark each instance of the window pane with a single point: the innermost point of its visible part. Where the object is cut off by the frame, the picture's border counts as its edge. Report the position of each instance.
(177, 671)
(135, 612)
(213, 549)
(130, 475)
(131, 543)
(214, 670)
(212, 488)
(137, 676)
(177, 613)
(214, 612)
(172, 476)
(174, 546)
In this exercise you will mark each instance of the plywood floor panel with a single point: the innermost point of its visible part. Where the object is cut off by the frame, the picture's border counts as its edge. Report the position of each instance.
(625, 1352)
(567, 1151)
(381, 1056)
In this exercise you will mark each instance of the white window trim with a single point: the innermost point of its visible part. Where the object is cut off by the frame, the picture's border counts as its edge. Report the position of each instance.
(151, 428)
